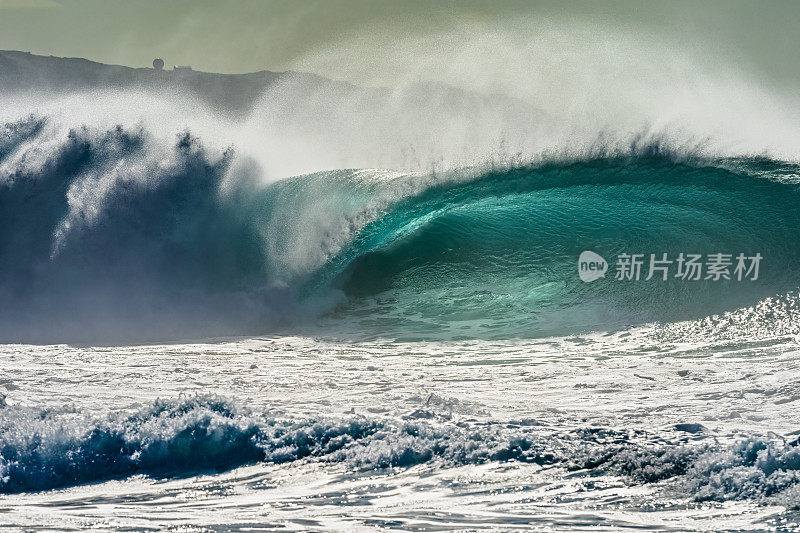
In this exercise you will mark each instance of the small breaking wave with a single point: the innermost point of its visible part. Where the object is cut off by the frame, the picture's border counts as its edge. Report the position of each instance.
(45, 449)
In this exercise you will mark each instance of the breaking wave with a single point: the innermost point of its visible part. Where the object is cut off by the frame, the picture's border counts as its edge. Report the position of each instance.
(115, 235)
(45, 449)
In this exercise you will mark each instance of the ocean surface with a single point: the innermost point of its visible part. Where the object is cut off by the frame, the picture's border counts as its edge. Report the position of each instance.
(209, 329)
(651, 428)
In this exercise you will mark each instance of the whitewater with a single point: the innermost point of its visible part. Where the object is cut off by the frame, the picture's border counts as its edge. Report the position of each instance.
(360, 308)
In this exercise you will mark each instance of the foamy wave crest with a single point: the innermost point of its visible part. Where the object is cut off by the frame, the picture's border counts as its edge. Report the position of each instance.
(766, 471)
(116, 223)
(44, 449)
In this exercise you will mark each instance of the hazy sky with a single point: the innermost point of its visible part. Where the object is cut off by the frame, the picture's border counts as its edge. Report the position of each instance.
(249, 35)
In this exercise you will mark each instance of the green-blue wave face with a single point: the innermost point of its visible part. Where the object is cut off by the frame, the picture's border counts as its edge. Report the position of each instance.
(498, 256)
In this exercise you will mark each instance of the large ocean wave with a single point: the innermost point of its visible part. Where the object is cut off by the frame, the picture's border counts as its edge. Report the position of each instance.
(111, 234)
